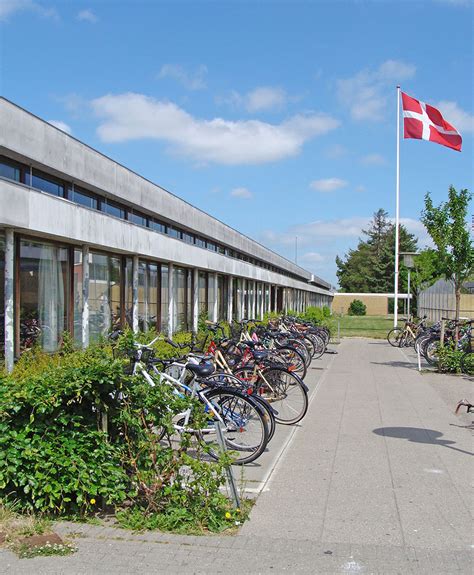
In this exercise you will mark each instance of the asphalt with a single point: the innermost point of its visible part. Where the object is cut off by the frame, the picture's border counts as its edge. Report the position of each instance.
(375, 479)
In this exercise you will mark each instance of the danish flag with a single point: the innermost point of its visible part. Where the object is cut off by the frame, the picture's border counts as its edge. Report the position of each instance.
(423, 122)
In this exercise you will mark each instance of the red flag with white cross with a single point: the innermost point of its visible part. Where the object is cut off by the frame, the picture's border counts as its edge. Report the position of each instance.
(424, 122)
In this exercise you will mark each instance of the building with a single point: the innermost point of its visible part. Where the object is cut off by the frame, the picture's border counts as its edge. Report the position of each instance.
(87, 245)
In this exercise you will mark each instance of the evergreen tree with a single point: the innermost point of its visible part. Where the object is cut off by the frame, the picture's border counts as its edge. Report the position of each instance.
(371, 266)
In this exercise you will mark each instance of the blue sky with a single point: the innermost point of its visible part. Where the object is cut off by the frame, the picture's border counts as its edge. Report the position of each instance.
(276, 117)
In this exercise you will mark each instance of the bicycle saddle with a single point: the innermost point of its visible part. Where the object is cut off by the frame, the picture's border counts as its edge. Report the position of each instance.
(201, 370)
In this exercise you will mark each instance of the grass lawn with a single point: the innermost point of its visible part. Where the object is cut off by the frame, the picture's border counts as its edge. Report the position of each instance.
(363, 326)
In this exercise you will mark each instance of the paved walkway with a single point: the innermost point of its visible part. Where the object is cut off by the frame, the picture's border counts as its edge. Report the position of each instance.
(375, 480)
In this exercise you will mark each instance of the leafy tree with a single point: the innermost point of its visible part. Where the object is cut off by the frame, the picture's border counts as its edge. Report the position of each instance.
(448, 229)
(371, 266)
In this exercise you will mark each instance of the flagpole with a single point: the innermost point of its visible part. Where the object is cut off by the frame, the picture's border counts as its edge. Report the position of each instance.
(397, 213)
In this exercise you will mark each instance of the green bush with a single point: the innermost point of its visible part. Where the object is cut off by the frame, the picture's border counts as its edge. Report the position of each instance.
(357, 308)
(56, 458)
(449, 359)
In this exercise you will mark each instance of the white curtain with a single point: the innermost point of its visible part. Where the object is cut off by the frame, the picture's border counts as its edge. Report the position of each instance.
(50, 297)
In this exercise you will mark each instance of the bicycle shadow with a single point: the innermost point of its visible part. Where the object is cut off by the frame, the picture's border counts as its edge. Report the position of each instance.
(418, 435)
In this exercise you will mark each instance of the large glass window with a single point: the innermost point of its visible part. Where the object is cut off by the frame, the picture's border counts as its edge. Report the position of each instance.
(113, 209)
(211, 297)
(9, 170)
(222, 297)
(44, 294)
(46, 183)
(147, 296)
(83, 198)
(2, 294)
(78, 275)
(202, 292)
(104, 294)
(138, 218)
(158, 226)
(164, 298)
(179, 293)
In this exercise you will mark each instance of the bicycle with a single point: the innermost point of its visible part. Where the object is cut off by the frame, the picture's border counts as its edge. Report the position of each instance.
(242, 420)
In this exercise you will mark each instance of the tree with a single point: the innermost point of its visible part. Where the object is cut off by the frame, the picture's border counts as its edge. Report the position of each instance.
(448, 229)
(371, 267)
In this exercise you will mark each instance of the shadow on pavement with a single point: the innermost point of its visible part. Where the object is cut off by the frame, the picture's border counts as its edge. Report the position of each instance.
(407, 364)
(418, 435)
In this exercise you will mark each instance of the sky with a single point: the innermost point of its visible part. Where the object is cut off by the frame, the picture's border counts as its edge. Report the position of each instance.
(278, 118)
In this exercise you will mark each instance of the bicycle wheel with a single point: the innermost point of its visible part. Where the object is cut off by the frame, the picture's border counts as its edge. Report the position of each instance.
(293, 360)
(286, 392)
(227, 380)
(319, 345)
(243, 425)
(394, 336)
(431, 350)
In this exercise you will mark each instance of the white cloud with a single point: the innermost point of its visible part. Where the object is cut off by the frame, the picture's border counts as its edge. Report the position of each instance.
(360, 188)
(265, 98)
(10, 7)
(374, 160)
(243, 193)
(311, 258)
(61, 125)
(328, 185)
(87, 16)
(261, 99)
(191, 80)
(336, 151)
(460, 119)
(136, 116)
(365, 94)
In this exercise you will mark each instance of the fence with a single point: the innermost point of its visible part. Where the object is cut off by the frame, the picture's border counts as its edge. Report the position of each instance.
(439, 301)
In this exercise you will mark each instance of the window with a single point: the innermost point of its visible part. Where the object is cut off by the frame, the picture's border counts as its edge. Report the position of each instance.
(138, 218)
(44, 294)
(2, 295)
(147, 296)
(84, 198)
(188, 238)
(9, 170)
(221, 249)
(179, 292)
(46, 184)
(174, 233)
(211, 246)
(202, 292)
(158, 226)
(113, 209)
(164, 298)
(200, 242)
(104, 294)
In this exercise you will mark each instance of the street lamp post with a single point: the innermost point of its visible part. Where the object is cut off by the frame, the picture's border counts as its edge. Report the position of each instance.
(409, 263)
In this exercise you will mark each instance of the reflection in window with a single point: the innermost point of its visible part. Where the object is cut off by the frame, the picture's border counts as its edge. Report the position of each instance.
(164, 298)
(202, 292)
(147, 296)
(43, 294)
(9, 171)
(46, 184)
(222, 297)
(84, 199)
(158, 226)
(211, 296)
(2, 294)
(137, 218)
(113, 209)
(78, 300)
(128, 290)
(179, 293)
(104, 294)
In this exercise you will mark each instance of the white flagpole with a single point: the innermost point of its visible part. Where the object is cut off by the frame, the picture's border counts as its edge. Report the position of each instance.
(397, 213)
